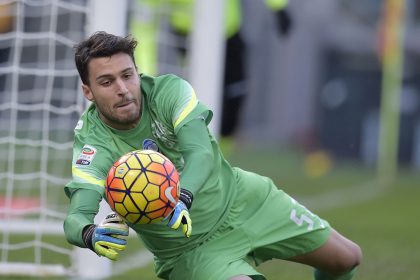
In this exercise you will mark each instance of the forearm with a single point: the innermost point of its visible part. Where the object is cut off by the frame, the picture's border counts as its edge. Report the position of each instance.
(197, 151)
(84, 205)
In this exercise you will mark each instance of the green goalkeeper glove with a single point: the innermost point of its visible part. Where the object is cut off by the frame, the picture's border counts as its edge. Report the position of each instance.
(104, 239)
(180, 214)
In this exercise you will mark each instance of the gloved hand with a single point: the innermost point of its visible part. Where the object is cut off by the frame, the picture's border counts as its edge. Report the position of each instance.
(180, 214)
(284, 22)
(104, 239)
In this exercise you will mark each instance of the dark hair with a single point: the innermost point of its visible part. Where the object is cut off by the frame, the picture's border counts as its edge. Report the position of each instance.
(101, 44)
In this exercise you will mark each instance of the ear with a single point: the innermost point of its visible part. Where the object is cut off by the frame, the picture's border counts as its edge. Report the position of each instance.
(87, 93)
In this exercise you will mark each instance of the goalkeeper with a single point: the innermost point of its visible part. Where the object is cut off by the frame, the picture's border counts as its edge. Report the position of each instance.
(226, 219)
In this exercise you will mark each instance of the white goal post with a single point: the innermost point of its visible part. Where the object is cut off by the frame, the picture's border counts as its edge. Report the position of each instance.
(40, 103)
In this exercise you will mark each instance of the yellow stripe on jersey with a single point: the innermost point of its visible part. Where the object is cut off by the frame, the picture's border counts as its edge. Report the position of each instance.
(190, 106)
(87, 177)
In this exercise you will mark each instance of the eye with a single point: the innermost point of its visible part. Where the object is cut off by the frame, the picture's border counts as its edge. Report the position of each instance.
(127, 76)
(105, 83)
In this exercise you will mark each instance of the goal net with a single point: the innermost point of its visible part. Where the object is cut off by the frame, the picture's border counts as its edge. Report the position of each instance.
(40, 103)
(39, 106)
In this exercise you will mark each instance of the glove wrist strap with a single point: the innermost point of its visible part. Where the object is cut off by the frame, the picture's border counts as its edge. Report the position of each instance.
(87, 236)
(187, 197)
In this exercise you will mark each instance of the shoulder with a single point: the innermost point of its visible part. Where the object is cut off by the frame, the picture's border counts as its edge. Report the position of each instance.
(90, 137)
(161, 79)
(90, 127)
(168, 93)
(171, 80)
(92, 159)
(154, 85)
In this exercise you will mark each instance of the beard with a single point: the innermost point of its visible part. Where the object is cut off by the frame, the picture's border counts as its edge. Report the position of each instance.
(120, 117)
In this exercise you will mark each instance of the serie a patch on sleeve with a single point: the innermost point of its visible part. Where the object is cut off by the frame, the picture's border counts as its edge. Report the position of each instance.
(86, 155)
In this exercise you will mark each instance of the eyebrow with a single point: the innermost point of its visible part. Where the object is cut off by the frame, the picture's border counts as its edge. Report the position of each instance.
(110, 75)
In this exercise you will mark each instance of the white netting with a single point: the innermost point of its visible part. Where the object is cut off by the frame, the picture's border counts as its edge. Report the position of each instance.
(40, 103)
(39, 107)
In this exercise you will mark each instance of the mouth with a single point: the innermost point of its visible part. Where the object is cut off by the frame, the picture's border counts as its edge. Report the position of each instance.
(124, 104)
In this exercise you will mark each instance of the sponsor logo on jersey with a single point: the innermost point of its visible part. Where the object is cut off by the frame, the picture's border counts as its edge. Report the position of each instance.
(86, 155)
(149, 144)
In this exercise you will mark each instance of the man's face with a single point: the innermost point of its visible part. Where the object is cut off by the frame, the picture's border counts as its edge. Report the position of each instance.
(115, 89)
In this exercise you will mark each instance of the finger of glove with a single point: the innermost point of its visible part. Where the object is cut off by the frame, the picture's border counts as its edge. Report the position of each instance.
(186, 225)
(112, 230)
(112, 239)
(175, 218)
(178, 218)
(110, 245)
(103, 250)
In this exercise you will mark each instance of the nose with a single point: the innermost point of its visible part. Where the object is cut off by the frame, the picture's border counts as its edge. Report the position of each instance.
(121, 87)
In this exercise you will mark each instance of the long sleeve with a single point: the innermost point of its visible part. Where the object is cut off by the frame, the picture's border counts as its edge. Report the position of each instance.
(195, 145)
(84, 205)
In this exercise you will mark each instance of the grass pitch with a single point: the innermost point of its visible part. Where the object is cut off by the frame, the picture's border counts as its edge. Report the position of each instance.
(382, 220)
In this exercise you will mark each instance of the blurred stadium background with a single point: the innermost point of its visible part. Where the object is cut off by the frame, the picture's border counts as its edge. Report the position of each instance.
(311, 121)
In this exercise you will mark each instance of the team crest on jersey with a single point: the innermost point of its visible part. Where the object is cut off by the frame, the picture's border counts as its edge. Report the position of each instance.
(149, 144)
(86, 155)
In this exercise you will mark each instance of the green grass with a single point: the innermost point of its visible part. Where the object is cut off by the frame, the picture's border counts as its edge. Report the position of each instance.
(382, 220)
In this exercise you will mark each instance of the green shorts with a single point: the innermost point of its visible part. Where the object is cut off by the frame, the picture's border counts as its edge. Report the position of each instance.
(264, 223)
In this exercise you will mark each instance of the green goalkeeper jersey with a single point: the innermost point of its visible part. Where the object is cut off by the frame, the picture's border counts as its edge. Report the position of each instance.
(168, 103)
